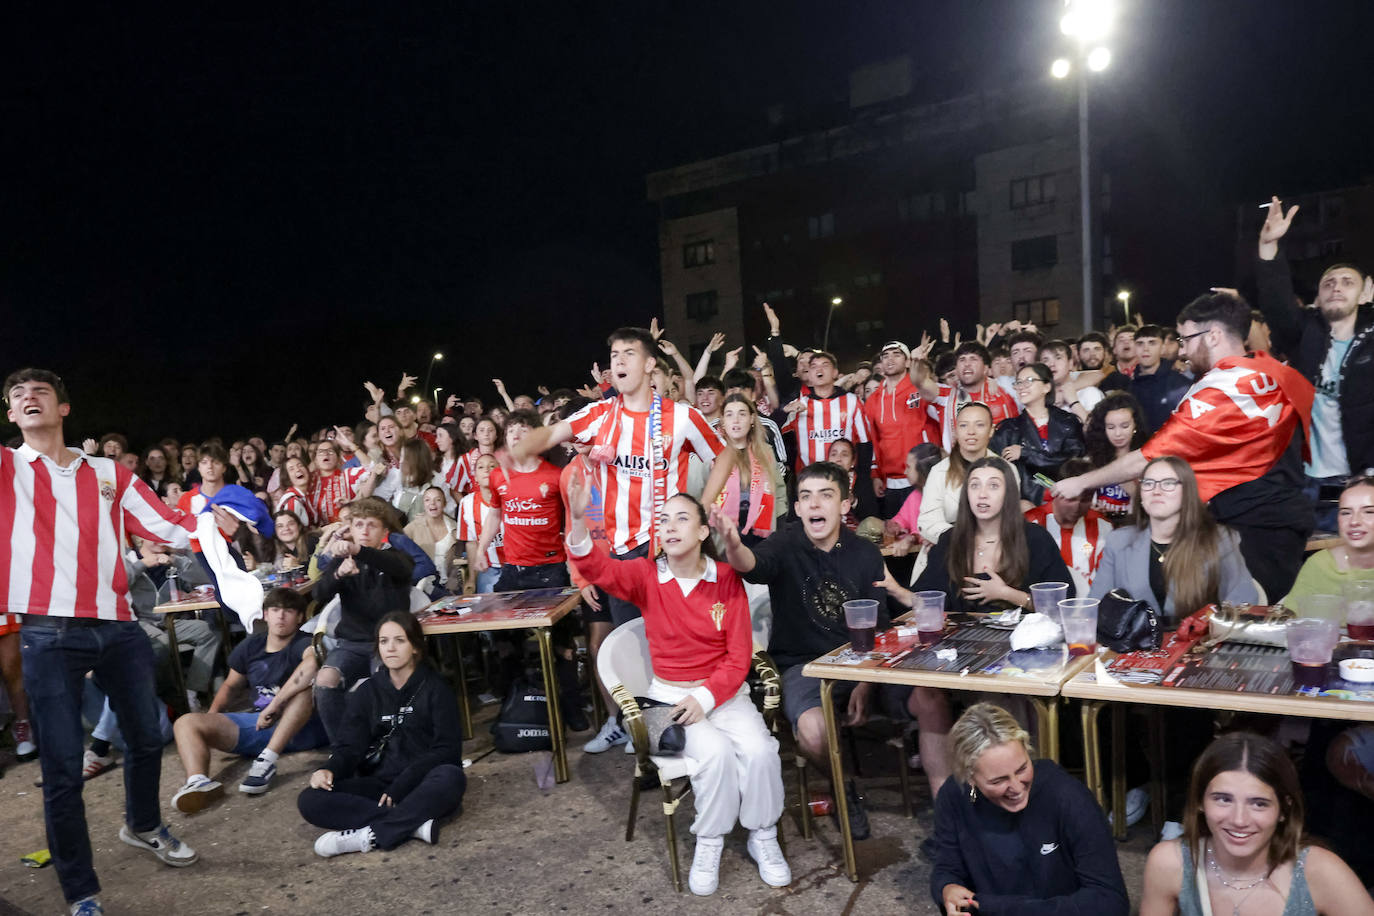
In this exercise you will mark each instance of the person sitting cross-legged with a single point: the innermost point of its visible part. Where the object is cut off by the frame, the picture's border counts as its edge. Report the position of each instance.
(279, 667)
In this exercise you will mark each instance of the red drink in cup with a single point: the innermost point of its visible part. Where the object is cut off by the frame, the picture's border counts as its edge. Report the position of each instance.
(1309, 674)
(929, 608)
(861, 616)
(1310, 642)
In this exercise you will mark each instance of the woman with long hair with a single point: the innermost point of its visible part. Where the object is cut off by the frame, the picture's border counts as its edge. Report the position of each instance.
(943, 494)
(434, 532)
(159, 470)
(294, 542)
(1242, 846)
(471, 512)
(389, 441)
(696, 620)
(1331, 571)
(450, 447)
(991, 556)
(252, 468)
(746, 483)
(396, 768)
(404, 486)
(1041, 437)
(294, 497)
(902, 527)
(1175, 558)
(1115, 428)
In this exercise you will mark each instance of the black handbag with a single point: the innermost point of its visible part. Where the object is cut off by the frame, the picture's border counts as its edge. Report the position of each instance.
(523, 722)
(1126, 624)
(667, 738)
(376, 751)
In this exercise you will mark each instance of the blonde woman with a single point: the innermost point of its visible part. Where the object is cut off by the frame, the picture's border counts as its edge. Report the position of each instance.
(1016, 835)
(745, 481)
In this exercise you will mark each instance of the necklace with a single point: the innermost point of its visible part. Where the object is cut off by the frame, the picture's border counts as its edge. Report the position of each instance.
(1158, 551)
(987, 541)
(1235, 883)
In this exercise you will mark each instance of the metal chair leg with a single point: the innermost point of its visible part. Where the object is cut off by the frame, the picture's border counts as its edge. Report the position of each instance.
(904, 774)
(634, 808)
(805, 788)
(669, 807)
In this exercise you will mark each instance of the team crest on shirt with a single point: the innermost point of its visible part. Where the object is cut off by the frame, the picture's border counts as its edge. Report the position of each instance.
(107, 491)
(717, 613)
(543, 491)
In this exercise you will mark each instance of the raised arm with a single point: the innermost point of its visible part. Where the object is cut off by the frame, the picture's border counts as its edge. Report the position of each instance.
(689, 387)
(1273, 278)
(717, 341)
(501, 390)
(740, 558)
(538, 441)
(1127, 467)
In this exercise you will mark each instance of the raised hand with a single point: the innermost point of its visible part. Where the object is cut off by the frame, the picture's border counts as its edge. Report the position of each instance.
(407, 382)
(760, 358)
(500, 385)
(654, 330)
(1275, 227)
(927, 343)
(725, 526)
(451, 403)
(774, 325)
(717, 341)
(543, 390)
(944, 330)
(377, 395)
(667, 347)
(590, 391)
(578, 495)
(343, 438)
(790, 351)
(979, 334)
(89, 446)
(731, 359)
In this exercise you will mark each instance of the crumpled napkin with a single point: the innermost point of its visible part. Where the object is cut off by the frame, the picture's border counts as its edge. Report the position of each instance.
(1036, 631)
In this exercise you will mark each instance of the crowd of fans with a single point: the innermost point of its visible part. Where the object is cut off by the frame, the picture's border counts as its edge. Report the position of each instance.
(1186, 464)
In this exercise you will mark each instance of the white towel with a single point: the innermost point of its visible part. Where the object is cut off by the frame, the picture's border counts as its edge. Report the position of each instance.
(239, 591)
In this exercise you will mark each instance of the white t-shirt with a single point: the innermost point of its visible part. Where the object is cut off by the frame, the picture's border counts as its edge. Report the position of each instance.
(1329, 458)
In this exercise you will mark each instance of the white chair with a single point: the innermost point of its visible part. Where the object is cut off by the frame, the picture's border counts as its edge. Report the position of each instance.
(1263, 598)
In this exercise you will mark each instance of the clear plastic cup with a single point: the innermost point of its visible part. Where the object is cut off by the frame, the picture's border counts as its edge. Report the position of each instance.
(1045, 597)
(1078, 616)
(929, 608)
(861, 616)
(1310, 643)
(1359, 609)
(1323, 607)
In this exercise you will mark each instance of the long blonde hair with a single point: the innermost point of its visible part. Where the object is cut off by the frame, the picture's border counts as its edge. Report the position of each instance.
(757, 447)
(1192, 562)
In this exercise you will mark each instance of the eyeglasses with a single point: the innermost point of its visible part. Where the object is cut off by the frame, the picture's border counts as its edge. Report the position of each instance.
(1184, 338)
(1023, 382)
(1168, 484)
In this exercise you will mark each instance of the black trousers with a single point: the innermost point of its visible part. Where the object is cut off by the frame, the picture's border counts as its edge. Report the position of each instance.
(1273, 556)
(353, 804)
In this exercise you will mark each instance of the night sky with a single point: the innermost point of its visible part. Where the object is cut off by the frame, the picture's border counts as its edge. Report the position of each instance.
(225, 223)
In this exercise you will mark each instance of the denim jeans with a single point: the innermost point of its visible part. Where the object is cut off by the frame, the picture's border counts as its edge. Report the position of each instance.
(1325, 511)
(55, 664)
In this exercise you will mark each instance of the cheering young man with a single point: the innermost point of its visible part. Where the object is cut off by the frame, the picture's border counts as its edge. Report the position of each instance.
(640, 443)
(898, 420)
(66, 515)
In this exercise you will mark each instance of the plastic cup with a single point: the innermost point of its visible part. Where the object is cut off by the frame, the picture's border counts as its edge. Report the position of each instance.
(1045, 597)
(1078, 616)
(861, 616)
(1310, 643)
(929, 608)
(1323, 607)
(1359, 609)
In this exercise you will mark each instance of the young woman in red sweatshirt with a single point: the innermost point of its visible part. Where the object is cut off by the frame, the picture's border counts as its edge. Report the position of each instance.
(696, 618)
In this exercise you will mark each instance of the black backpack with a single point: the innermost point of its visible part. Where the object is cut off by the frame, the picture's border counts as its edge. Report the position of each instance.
(523, 723)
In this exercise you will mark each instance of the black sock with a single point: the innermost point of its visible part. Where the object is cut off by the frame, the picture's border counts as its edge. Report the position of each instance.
(100, 747)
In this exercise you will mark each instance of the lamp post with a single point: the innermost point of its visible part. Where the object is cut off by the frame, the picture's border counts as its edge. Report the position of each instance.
(1124, 297)
(834, 304)
(430, 371)
(438, 410)
(1087, 22)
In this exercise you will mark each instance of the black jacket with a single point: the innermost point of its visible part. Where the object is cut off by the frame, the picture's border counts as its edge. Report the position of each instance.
(429, 734)
(1304, 336)
(1045, 565)
(1039, 455)
(1055, 857)
(1158, 394)
(382, 585)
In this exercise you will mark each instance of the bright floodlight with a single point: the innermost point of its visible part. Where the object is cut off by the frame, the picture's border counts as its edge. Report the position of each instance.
(1060, 68)
(414, 399)
(836, 301)
(1099, 59)
(438, 356)
(1088, 20)
(1123, 296)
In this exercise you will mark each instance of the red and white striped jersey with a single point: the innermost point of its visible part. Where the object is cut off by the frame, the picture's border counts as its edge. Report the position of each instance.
(1001, 404)
(64, 529)
(622, 451)
(328, 494)
(298, 504)
(823, 420)
(470, 513)
(456, 474)
(1080, 546)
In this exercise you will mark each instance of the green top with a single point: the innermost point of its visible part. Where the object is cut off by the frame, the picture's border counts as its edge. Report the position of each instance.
(1319, 576)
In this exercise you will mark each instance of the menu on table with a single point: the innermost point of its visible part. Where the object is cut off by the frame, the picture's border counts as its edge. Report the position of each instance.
(535, 602)
(966, 649)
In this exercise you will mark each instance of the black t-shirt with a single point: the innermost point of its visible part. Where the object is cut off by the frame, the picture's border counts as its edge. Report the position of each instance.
(266, 671)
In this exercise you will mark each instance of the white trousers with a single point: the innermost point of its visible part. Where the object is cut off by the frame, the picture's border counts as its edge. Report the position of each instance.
(738, 775)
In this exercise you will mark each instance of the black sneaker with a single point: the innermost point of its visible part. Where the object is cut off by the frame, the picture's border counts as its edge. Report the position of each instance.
(928, 849)
(858, 817)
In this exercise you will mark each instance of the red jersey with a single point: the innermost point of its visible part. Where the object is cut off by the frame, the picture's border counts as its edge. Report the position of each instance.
(992, 394)
(471, 511)
(327, 494)
(1236, 421)
(1081, 546)
(531, 505)
(298, 504)
(64, 531)
(823, 420)
(623, 450)
(593, 517)
(898, 421)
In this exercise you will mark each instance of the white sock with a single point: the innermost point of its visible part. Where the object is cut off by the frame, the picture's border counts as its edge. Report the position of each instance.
(197, 777)
(268, 755)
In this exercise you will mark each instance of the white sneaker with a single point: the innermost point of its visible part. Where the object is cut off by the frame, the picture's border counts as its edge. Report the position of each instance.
(337, 842)
(629, 744)
(764, 849)
(194, 796)
(1137, 804)
(1172, 831)
(193, 703)
(425, 832)
(24, 748)
(610, 735)
(705, 875)
(162, 844)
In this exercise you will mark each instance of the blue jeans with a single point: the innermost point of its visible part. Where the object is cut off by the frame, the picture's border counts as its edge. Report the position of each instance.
(1324, 510)
(56, 660)
(486, 580)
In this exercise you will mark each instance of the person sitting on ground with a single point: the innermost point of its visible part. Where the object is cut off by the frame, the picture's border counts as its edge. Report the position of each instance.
(1242, 843)
(1175, 558)
(1018, 836)
(371, 579)
(278, 667)
(696, 619)
(1326, 572)
(396, 768)
(1039, 439)
(992, 555)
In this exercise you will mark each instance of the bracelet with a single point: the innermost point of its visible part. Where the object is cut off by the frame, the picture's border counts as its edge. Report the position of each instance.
(1073, 403)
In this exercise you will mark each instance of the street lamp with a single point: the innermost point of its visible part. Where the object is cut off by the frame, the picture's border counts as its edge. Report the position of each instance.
(439, 411)
(1088, 23)
(430, 371)
(834, 304)
(1124, 297)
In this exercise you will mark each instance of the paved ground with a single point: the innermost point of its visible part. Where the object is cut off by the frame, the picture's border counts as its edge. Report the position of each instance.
(515, 850)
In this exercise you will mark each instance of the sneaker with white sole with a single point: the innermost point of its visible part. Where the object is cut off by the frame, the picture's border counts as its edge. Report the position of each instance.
(338, 842)
(426, 832)
(87, 906)
(705, 875)
(1137, 804)
(629, 744)
(92, 764)
(259, 777)
(24, 748)
(610, 735)
(764, 849)
(194, 796)
(162, 844)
